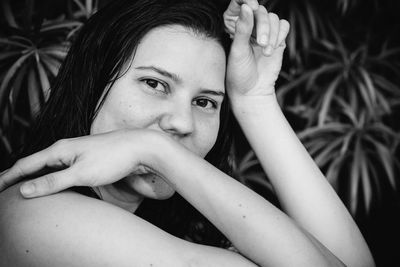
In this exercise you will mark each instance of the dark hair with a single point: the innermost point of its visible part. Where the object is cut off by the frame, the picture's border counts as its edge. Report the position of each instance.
(102, 47)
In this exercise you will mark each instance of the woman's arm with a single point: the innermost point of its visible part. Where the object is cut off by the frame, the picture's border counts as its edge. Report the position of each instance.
(69, 229)
(257, 229)
(261, 232)
(302, 190)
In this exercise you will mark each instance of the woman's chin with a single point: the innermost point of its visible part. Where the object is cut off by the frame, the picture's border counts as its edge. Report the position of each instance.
(149, 185)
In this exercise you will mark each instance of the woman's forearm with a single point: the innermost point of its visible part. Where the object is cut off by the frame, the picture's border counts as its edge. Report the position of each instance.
(259, 230)
(301, 188)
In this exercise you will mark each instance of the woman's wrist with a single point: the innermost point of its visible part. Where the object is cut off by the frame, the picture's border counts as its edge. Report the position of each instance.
(159, 150)
(245, 107)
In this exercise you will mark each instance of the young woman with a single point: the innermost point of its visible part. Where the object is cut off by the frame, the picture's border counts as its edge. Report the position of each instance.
(139, 102)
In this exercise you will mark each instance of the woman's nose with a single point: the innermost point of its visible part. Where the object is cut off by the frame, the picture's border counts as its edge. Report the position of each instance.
(177, 120)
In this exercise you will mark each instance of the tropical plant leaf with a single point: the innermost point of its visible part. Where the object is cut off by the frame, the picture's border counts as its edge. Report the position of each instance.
(386, 53)
(9, 75)
(17, 86)
(260, 179)
(346, 141)
(386, 159)
(324, 69)
(384, 104)
(382, 130)
(327, 99)
(370, 86)
(326, 128)
(355, 176)
(6, 143)
(5, 41)
(7, 55)
(51, 64)
(65, 25)
(34, 93)
(333, 170)
(8, 14)
(44, 80)
(386, 85)
(328, 152)
(366, 182)
(56, 54)
(314, 145)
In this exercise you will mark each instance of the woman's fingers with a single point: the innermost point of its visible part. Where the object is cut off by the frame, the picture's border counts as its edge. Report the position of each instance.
(262, 26)
(244, 28)
(24, 167)
(234, 6)
(4, 183)
(48, 184)
(284, 28)
(250, 18)
(231, 14)
(277, 30)
(58, 155)
(275, 25)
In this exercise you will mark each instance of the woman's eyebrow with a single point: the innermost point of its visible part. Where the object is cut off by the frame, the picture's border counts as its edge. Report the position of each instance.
(213, 92)
(163, 72)
(178, 80)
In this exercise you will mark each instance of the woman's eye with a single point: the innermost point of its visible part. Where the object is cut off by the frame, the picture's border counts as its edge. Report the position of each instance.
(205, 103)
(156, 85)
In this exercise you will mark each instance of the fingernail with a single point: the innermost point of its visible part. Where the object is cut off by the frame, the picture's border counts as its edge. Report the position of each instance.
(263, 39)
(268, 50)
(254, 5)
(27, 189)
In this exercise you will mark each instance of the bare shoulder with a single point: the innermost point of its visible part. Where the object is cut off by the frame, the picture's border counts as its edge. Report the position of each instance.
(69, 229)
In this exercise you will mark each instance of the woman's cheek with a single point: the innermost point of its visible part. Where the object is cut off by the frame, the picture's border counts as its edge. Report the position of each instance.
(208, 137)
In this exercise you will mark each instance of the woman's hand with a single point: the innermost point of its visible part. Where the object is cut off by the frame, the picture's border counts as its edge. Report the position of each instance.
(84, 161)
(256, 54)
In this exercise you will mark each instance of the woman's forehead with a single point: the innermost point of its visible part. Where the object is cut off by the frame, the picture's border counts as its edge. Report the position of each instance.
(181, 51)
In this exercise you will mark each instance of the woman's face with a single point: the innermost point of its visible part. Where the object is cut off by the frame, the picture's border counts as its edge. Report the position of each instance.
(175, 84)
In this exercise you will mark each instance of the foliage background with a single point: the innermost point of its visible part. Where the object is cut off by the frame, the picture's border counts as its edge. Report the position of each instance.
(339, 88)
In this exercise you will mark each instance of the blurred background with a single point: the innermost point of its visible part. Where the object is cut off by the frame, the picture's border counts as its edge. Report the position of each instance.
(339, 88)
